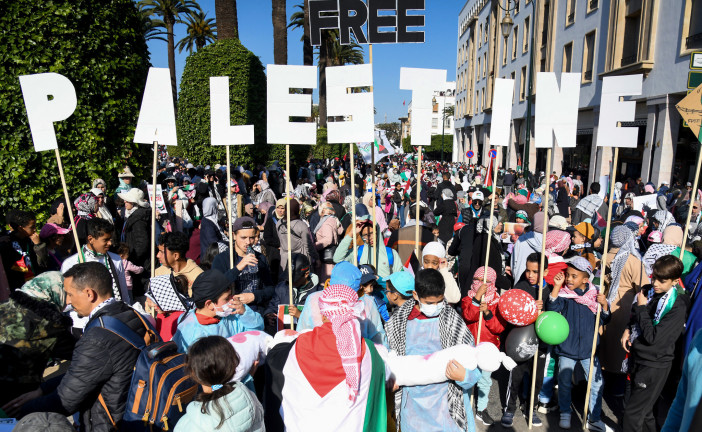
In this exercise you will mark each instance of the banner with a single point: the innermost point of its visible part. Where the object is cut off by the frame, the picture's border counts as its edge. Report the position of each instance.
(648, 201)
(160, 205)
(382, 147)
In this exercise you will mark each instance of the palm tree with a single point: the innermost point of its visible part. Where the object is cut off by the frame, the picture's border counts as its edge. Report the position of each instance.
(151, 26)
(280, 32)
(201, 31)
(300, 19)
(170, 12)
(227, 19)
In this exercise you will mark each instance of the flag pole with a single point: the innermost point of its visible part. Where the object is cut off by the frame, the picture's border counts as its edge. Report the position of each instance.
(542, 269)
(375, 236)
(229, 210)
(289, 228)
(153, 212)
(417, 203)
(693, 198)
(603, 267)
(353, 207)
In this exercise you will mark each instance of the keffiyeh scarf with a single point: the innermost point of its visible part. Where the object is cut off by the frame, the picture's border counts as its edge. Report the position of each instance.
(340, 305)
(588, 299)
(590, 204)
(91, 255)
(624, 239)
(557, 241)
(491, 296)
(163, 292)
(85, 206)
(653, 253)
(664, 219)
(452, 331)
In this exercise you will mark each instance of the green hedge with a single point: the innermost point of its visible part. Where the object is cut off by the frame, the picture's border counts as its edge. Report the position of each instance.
(100, 47)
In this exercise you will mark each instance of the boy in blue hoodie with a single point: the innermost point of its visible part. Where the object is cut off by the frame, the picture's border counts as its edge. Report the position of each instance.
(574, 297)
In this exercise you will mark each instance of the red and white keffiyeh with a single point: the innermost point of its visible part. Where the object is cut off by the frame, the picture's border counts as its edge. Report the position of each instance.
(340, 305)
(491, 297)
(588, 299)
(557, 241)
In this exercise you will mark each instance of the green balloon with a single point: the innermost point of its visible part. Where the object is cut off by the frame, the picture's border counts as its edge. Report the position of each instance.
(552, 328)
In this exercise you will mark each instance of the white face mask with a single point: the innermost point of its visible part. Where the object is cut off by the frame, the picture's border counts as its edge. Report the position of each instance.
(431, 311)
(225, 312)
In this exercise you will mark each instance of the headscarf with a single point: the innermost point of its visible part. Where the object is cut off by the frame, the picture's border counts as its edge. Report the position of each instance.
(48, 286)
(435, 249)
(323, 206)
(85, 204)
(649, 189)
(557, 241)
(521, 214)
(521, 199)
(664, 219)
(348, 203)
(334, 196)
(340, 305)
(98, 182)
(673, 235)
(624, 238)
(263, 184)
(491, 296)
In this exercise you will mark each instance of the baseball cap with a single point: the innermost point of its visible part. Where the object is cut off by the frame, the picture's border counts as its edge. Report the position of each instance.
(585, 229)
(367, 274)
(581, 264)
(689, 184)
(403, 282)
(51, 229)
(346, 274)
(243, 223)
(478, 195)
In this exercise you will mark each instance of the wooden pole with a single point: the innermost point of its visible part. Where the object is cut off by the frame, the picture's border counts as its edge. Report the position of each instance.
(542, 269)
(229, 210)
(287, 215)
(375, 235)
(153, 212)
(603, 267)
(417, 203)
(491, 209)
(693, 198)
(353, 207)
(69, 205)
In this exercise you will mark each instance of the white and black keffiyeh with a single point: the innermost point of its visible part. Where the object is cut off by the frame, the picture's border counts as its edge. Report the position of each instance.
(590, 204)
(162, 291)
(625, 239)
(91, 255)
(653, 253)
(664, 219)
(452, 331)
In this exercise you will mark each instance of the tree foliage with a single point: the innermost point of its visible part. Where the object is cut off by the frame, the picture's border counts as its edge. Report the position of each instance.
(200, 31)
(392, 131)
(435, 147)
(100, 47)
(247, 92)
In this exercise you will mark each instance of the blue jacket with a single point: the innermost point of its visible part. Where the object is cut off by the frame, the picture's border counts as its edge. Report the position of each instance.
(581, 320)
(190, 330)
(242, 412)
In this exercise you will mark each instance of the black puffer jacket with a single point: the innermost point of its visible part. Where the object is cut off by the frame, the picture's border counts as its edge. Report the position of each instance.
(102, 363)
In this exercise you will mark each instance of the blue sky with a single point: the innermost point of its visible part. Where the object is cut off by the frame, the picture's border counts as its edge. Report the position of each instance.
(256, 33)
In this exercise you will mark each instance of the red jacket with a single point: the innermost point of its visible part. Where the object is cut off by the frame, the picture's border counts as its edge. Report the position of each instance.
(492, 325)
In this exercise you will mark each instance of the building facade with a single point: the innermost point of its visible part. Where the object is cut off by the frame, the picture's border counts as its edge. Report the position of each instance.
(596, 38)
(442, 121)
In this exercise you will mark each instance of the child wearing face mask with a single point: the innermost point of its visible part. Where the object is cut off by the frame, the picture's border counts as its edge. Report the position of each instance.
(483, 299)
(424, 325)
(217, 312)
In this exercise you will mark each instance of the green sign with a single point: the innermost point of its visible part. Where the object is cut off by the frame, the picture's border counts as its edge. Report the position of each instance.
(694, 79)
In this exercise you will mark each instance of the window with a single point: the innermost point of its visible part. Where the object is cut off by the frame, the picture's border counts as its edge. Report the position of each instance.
(522, 84)
(434, 123)
(570, 12)
(516, 7)
(526, 35)
(480, 36)
(487, 27)
(484, 64)
(544, 24)
(631, 37)
(588, 56)
(693, 40)
(515, 37)
(542, 65)
(478, 70)
(592, 5)
(482, 99)
(511, 76)
(567, 57)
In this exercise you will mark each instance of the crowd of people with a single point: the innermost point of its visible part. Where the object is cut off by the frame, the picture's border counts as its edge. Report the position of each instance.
(363, 290)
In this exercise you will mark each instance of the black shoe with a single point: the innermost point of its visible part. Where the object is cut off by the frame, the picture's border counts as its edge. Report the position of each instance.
(507, 419)
(484, 417)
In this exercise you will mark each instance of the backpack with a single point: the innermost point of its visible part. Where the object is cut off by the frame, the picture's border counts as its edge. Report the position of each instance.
(160, 389)
(388, 251)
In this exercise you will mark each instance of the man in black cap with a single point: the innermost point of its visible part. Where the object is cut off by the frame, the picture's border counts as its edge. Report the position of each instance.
(251, 274)
(217, 312)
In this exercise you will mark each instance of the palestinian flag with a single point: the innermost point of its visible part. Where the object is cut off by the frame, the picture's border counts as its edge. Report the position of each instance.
(412, 264)
(488, 176)
(314, 393)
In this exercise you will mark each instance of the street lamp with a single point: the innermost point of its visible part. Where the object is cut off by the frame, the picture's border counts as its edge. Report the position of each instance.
(507, 24)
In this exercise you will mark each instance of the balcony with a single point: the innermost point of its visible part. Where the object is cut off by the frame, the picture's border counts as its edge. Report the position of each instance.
(694, 41)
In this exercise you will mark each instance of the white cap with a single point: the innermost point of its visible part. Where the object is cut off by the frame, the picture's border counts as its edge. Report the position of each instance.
(478, 195)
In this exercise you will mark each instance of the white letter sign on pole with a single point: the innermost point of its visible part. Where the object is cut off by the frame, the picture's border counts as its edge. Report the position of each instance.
(157, 114)
(556, 109)
(222, 132)
(357, 105)
(501, 112)
(42, 112)
(423, 83)
(282, 105)
(613, 111)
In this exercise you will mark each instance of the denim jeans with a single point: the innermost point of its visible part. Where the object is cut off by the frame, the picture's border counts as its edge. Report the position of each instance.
(565, 385)
(550, 380)
(484, 385)
(401, 215)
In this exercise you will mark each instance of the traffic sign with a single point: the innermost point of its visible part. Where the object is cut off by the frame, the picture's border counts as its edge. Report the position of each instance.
(469, 154)
(694, 79)
(492, 153)
(696, 60)
(690, 110)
